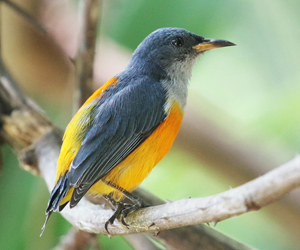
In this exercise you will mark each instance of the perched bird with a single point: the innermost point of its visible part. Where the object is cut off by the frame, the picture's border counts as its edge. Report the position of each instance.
(129, 124)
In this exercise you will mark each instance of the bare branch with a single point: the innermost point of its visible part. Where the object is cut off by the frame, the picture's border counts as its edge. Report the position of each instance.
(22, 122)
(191, 237)
(84, 61)
(248, 197)
(90, 15)
(26, 15)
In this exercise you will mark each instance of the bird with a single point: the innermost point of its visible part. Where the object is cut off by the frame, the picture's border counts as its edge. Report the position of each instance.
(129, 124)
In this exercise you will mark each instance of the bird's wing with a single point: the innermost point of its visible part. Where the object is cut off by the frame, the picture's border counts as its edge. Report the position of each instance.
(78, 127)
(121, 123)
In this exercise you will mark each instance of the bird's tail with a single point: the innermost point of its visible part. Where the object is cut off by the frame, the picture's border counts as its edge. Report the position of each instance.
(57, 194)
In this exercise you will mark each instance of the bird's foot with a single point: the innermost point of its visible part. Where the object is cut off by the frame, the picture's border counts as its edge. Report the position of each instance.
(122, 210)
(119, 207)
(133, 208)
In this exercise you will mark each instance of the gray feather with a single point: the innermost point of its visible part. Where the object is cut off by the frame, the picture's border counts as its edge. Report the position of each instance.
(123, 121)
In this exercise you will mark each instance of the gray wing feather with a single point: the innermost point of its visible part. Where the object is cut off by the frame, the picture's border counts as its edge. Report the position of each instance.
(122, 122)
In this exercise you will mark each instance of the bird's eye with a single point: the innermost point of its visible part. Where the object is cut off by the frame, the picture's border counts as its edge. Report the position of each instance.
(177, 42)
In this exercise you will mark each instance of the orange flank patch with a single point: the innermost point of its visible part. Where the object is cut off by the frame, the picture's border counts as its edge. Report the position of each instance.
(75, 133)
(130, 173)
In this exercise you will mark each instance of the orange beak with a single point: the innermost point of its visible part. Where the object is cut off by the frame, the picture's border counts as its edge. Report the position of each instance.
(209, 44)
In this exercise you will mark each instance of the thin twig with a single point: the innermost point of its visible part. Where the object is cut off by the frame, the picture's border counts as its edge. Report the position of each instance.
(90, 11)
(83, 87)
(25, 15)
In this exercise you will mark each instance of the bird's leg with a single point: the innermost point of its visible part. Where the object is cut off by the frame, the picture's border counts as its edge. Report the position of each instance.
(111, 201)
(137, 204)
(118, 208)
(123, 209)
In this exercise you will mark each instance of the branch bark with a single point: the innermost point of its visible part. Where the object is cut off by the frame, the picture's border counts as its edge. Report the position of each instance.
(248, 197)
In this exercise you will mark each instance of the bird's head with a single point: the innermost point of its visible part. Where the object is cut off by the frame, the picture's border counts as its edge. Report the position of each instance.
(172, 50)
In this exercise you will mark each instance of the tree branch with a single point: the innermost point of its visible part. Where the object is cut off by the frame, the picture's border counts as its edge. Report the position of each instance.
(248, 197)
(25, 15)
(90, 14)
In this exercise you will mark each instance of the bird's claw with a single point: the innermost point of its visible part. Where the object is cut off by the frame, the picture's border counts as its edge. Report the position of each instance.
(106, 225)
(124, 222)
(122, 210)
(119, 215)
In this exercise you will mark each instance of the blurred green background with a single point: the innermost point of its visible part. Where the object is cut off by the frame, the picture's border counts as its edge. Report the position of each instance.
(251, 91)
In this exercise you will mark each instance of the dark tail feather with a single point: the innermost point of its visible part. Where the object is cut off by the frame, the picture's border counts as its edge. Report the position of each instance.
(44, 226)
(78, 193)
(57, 194)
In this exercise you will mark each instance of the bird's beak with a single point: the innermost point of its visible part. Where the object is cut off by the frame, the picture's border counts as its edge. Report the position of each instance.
(209, 44)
